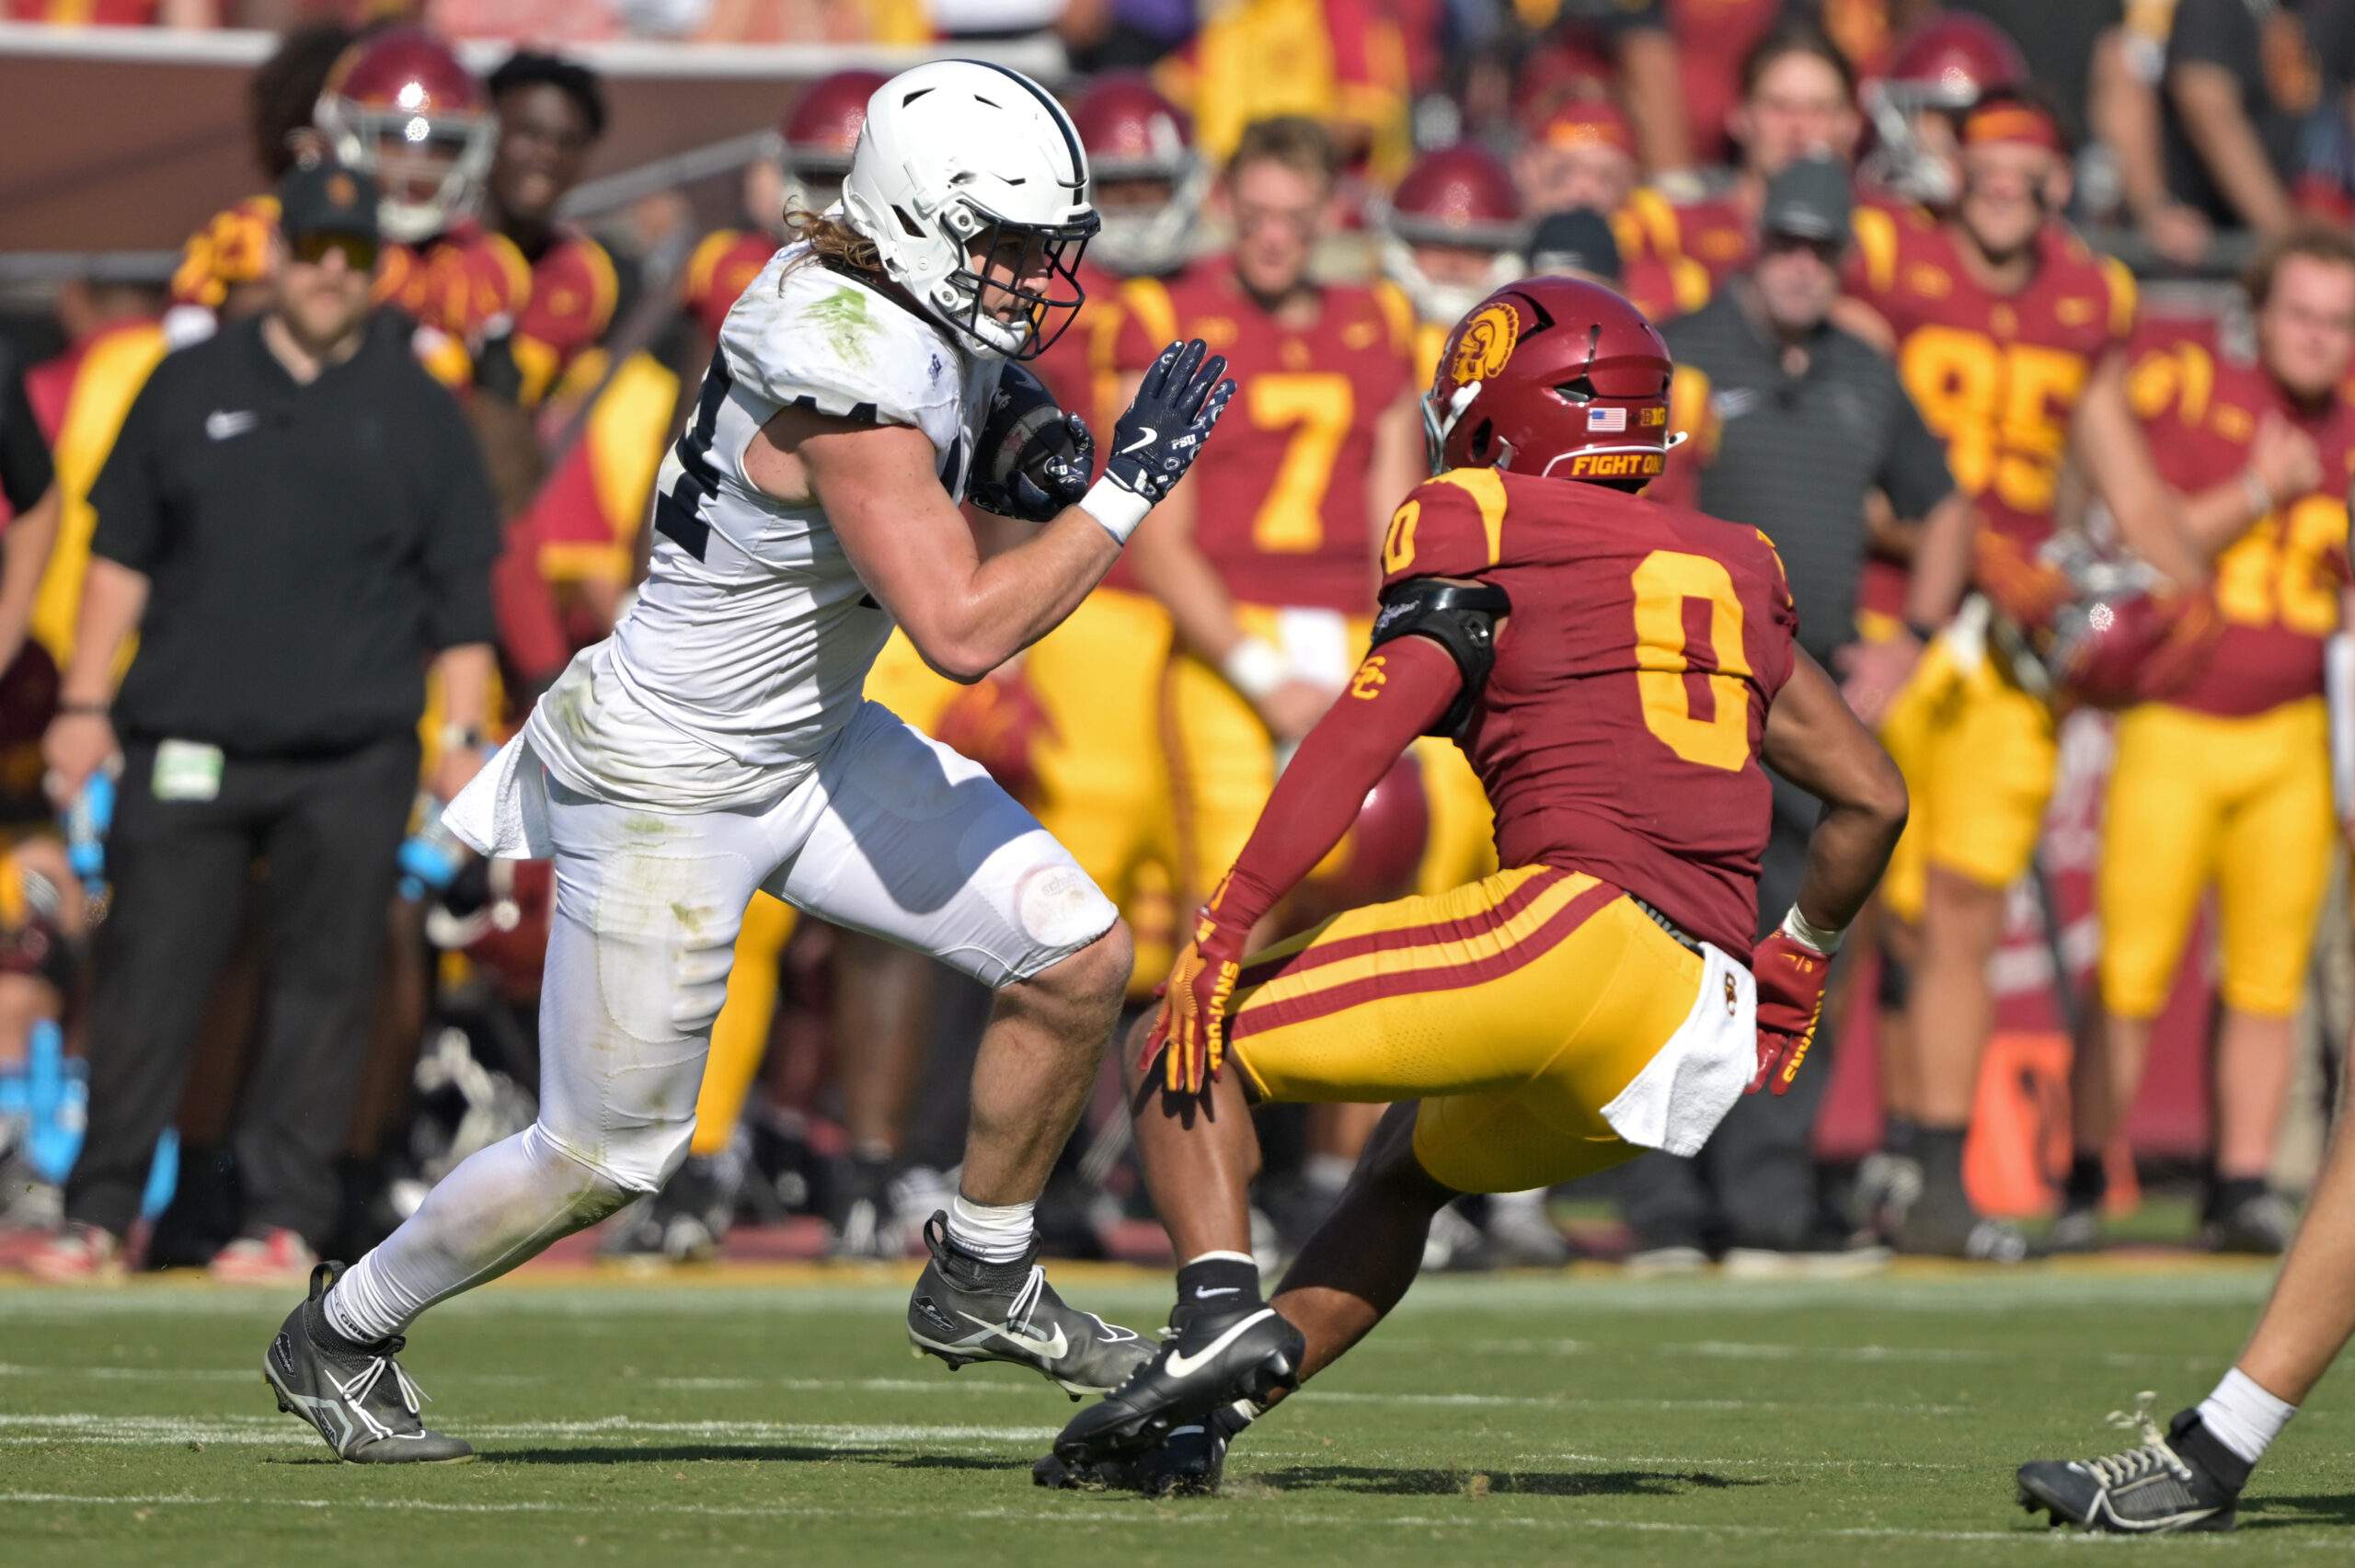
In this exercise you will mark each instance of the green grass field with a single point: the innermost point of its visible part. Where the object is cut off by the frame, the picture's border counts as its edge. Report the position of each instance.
(776, 1415)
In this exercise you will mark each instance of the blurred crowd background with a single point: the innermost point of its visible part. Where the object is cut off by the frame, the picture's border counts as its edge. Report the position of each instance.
(1417, 154)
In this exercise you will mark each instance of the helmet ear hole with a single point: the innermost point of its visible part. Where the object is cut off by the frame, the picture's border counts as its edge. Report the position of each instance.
(907, 223)
(1481, 438)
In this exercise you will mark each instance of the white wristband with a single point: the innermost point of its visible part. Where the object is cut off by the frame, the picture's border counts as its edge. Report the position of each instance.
(1815, 938)
(1118, 509)
(1255, 668)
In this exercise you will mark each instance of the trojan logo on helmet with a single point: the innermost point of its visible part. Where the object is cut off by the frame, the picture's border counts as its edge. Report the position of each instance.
(1554, 376)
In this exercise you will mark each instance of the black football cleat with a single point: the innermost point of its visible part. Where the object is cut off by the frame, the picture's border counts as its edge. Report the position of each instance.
(1209, 1359)
(1190, 1462)
(356, 1396)
(2179, 1480)
(966, 1309)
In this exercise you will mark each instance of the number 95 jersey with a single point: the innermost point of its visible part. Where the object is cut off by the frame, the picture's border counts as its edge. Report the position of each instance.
(1996, 376)
(1619, 731)
(748, 649)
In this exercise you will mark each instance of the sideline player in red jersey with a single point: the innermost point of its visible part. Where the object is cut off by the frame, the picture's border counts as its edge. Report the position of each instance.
(1582, 155)
(1618, 670)
(2226, 782)
(2009, 335)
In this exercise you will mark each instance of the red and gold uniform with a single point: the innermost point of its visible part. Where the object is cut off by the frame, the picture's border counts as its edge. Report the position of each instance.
(1618, 734)
(572, 291)
(1659, 239)
(1283, 514)
(1998, 378)
(719, 270)
(2227, 783)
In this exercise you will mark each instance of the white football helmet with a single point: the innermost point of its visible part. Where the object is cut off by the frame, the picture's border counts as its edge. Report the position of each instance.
(959, 158)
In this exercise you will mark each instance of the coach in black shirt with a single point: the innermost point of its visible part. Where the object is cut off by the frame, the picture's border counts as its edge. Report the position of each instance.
(1805, 423)
(295, 522)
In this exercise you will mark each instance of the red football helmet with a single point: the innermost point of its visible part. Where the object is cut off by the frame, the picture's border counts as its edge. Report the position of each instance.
(1135, 138)
(399, 104)
(1945, 65)
(1377, 859)
(2127, 635)
(1461, 198)
(1554, 376)
(817, 135)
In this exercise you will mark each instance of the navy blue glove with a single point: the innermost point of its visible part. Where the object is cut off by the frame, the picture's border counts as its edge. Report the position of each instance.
(1158, 439)
(1031, 459)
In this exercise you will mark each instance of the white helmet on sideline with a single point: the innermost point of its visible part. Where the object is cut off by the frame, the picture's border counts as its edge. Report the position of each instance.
(959, 157)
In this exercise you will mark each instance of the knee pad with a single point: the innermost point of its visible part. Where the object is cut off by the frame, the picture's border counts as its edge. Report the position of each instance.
(591, 1190)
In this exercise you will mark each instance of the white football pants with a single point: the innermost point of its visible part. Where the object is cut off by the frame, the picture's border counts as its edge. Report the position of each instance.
(893, 834)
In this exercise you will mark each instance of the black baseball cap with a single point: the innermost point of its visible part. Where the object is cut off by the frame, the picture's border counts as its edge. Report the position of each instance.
(1577, 241)
(1809, 199)
(327, 199)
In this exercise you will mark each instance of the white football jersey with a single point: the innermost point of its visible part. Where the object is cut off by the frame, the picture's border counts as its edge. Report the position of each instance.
(750, 643)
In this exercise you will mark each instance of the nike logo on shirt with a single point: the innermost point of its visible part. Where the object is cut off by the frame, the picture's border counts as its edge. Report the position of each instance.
(221, 424)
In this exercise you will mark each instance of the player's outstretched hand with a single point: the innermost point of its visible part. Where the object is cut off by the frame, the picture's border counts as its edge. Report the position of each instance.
(1157, 440)
(1031, 459)
(1790, 977)
(1193, 1021)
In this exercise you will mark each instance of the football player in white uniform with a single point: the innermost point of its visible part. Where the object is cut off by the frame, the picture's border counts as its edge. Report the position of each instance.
(719, 741)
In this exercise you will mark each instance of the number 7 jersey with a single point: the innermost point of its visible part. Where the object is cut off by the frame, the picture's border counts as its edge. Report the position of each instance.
(1283, 512)
(1619, 731)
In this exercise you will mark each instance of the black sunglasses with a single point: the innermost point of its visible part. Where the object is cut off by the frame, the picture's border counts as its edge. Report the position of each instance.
(311, 248)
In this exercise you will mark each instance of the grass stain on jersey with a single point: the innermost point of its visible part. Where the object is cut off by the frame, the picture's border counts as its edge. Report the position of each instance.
(849, 324)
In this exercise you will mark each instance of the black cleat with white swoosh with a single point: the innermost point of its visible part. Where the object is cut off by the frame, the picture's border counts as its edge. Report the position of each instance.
(356, 1395)
(967, 1309)
(1215, 1354)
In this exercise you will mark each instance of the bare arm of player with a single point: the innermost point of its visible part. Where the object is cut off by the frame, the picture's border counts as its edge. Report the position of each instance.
(1170, 568)
(880, 487)
(1814, 740)
(81, 738)
(2124, 112)
(1655, 97)
(1941, 561)
(2209, 100)
(1398, 693)
(2283, 464)
(2109, 446)
(1398, 463)
(24, 559)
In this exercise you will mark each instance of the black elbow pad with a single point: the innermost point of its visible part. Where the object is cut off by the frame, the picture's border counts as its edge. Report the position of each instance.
(1461, 618)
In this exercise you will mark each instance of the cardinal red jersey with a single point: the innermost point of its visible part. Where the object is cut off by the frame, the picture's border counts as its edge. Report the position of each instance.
(1282, 507)
(1715, 237)
(2278, 585)
(723, 264)
(1997, 376)
(1619, 730)
(570, 306)
(1077, 367)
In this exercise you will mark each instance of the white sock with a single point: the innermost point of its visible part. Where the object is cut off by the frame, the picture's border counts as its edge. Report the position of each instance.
(2243, 1417)
(502, 1207)
(995, 1234)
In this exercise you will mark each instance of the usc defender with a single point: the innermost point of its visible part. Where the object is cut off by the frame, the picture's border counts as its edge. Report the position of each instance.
(2009, 335)
(2226, 783)
(1616, 670)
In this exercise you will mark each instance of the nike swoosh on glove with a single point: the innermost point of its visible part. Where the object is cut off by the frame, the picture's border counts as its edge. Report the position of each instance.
(1791, 977)
(1192, 1020)
(1176, 405)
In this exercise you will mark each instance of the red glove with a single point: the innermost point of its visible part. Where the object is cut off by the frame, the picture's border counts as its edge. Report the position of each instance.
(1790, 977)
(1192, 1021)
